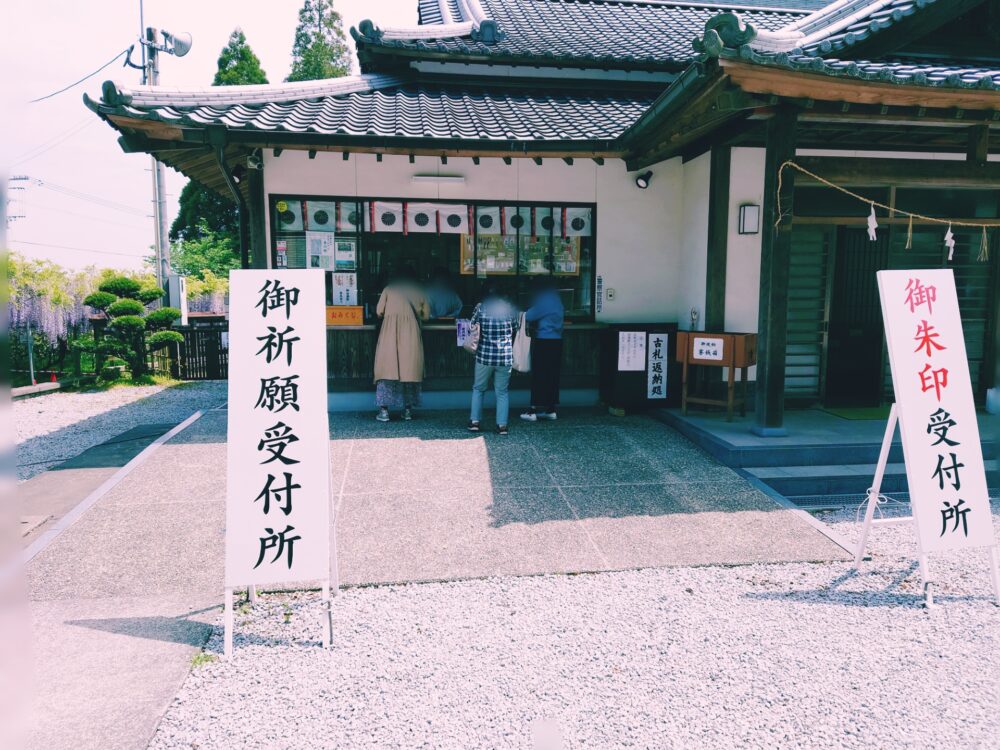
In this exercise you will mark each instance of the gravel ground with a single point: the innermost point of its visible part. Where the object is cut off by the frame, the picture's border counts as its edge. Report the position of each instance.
(760, 656)
(50, 429)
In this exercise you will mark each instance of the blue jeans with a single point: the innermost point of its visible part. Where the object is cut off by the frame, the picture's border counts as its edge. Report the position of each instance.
(501, 384)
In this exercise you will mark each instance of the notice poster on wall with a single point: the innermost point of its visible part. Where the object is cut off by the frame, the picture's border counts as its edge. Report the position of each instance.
(566, 257)
(656, 366)
(937, 414)
(278, 496)
(631, 351)
(708, 348)
(281, 259)
(463, 328)
(320, 250)
(345, 289)
(346, 254)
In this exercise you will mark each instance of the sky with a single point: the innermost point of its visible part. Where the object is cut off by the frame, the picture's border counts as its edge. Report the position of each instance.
(94, 206)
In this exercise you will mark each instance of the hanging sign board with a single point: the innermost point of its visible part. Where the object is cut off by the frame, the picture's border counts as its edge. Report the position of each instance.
(346, 315)
(712, 349)
(278, 498)
(656, 369)
(631, 351)
(937, 415)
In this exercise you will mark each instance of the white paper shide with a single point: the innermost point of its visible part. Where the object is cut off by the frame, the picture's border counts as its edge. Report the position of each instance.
(277, 508)
(937, 414)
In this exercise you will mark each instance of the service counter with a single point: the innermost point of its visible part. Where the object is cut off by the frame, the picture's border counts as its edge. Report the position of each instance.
(448, 367)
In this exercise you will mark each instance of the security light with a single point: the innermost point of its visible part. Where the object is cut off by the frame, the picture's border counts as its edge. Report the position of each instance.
(642, 181)
(749, 218)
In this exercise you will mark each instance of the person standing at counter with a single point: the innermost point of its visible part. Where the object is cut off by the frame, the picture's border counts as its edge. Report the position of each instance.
(497, 320)
(441, 295)
(399, 354)
(547, 316)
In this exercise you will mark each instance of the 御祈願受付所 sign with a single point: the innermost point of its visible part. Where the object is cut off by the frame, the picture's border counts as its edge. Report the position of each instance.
(277, 506)
(937, 414)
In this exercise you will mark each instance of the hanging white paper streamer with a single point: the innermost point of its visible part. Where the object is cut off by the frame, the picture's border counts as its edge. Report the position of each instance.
(488, 219)
(872, 225)
(454, 218)
(421, 217)
(388, 217)
(545, 222)
(517, 219)
(321, 216)
(289, 216)
(349, 219)
(949, 242)
(578, 222)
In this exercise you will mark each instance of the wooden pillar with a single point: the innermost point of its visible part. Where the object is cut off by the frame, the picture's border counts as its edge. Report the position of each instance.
(775, 253)
(718, 239)
(257, 209)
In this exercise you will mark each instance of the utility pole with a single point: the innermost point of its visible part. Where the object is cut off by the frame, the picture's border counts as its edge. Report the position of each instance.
(151, 77)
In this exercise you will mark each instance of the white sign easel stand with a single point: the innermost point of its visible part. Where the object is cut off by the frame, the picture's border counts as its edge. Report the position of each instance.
(874, 492)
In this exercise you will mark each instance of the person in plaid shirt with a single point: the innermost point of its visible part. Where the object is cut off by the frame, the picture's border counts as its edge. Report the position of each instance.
(497, 320)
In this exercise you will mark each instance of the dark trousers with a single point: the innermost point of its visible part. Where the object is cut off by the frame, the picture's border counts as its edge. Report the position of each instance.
(546, 362)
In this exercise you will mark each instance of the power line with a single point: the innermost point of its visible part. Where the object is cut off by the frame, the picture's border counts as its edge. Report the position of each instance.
(42, 148)
(81, 216)
(67, 88)
(72, 247)
(96, 199)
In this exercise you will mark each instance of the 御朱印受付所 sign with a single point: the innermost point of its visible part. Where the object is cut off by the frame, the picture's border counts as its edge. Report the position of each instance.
(937, 414)
(278, 498)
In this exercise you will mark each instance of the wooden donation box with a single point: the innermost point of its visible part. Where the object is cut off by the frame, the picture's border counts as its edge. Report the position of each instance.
(732, 350)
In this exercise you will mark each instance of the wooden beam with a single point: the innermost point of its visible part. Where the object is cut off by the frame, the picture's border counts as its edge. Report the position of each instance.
(718, 239)
(537, 160)
(378, 158)
(444, 159)
(568, 160)
(979, 144)
(759, 79)
(775, 260)
(599, 161)
(507, 160)
(864, 172)
(413, 159)
(257, 213)
(475, 160)
(347, 155)
(312, 153)
(277, 152)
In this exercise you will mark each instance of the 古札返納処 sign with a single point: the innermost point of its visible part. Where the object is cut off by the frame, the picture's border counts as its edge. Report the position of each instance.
(656, 366)
(937, 414)
(631, 351)
(278, 498)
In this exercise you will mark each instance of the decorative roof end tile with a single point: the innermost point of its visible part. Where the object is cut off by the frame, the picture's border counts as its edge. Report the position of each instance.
(724, 31)
(369, 31)
(488, 32)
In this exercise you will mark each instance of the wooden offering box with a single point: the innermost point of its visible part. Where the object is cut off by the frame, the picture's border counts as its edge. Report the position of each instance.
(732, 350)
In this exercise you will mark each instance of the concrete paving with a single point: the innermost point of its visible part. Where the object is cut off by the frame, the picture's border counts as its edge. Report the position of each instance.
(121, 600)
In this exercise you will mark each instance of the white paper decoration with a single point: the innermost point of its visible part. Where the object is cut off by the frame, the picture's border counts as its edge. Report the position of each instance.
(516, 219)
(454, 218)
(578, 221)
(349, 216)
(289, 216)
(387, 217)
(488, 220)
(421, 217)
(321, 216)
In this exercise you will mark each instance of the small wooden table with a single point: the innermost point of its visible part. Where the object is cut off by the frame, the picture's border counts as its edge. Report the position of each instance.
(732, 350)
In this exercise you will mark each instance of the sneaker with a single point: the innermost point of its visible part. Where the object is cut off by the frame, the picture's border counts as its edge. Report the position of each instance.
(407, 414)
(383, 415)
(473, 426)
(501, 429)
(550, 415)
(530, 416)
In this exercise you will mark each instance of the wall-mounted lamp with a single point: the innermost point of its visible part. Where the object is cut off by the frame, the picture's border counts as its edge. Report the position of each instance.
(456, 178)
(642, 181)
(749, 218)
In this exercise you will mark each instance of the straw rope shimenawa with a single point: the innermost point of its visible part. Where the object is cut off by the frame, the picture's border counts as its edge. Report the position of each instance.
(984, 251)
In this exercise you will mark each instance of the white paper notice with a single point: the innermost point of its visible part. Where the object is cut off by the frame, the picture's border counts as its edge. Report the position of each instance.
(713, 349)
(631, 351)
(345, 289)
(937, 415)
(656, 370)
(320, 250)
(278, 497)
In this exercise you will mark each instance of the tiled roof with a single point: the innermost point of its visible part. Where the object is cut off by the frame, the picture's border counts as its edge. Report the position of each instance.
(950, 74)
(411, 111)
(879, 18)
(657, 32)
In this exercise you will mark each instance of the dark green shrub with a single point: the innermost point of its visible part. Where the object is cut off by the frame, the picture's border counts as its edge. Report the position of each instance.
(162, 338)
(149, 294)
(99, 300)
(128, 324)
(121, 286)
(162, 318)
(126, 307)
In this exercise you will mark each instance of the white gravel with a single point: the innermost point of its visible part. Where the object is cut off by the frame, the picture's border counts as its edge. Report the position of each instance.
(759, 656)
(50, 429)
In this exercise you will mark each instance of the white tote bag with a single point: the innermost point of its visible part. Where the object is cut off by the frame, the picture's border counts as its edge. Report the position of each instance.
(522, 347)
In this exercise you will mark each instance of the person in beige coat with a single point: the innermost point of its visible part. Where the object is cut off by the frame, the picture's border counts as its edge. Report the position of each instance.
(399, 355)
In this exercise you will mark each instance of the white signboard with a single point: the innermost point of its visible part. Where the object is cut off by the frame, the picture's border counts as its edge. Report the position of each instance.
(278, 499)
(631, 351)
(937, 416)
(656, 370)
(345, 289)
(712, 349)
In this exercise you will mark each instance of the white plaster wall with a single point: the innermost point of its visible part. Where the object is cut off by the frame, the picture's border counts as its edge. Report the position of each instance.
(746, 185)
(638, 231)
(693, 230)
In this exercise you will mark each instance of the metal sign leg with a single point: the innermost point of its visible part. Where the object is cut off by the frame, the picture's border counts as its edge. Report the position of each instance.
(876, 488)
(328, 625)
(252, 594)
(925, 576)
(227, 637)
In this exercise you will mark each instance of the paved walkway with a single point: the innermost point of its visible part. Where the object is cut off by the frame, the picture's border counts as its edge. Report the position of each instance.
(121, 601)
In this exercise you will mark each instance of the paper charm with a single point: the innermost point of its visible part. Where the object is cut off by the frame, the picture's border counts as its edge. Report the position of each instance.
(984, 247)
(872, 225)
(909, 234)
(949, 242)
